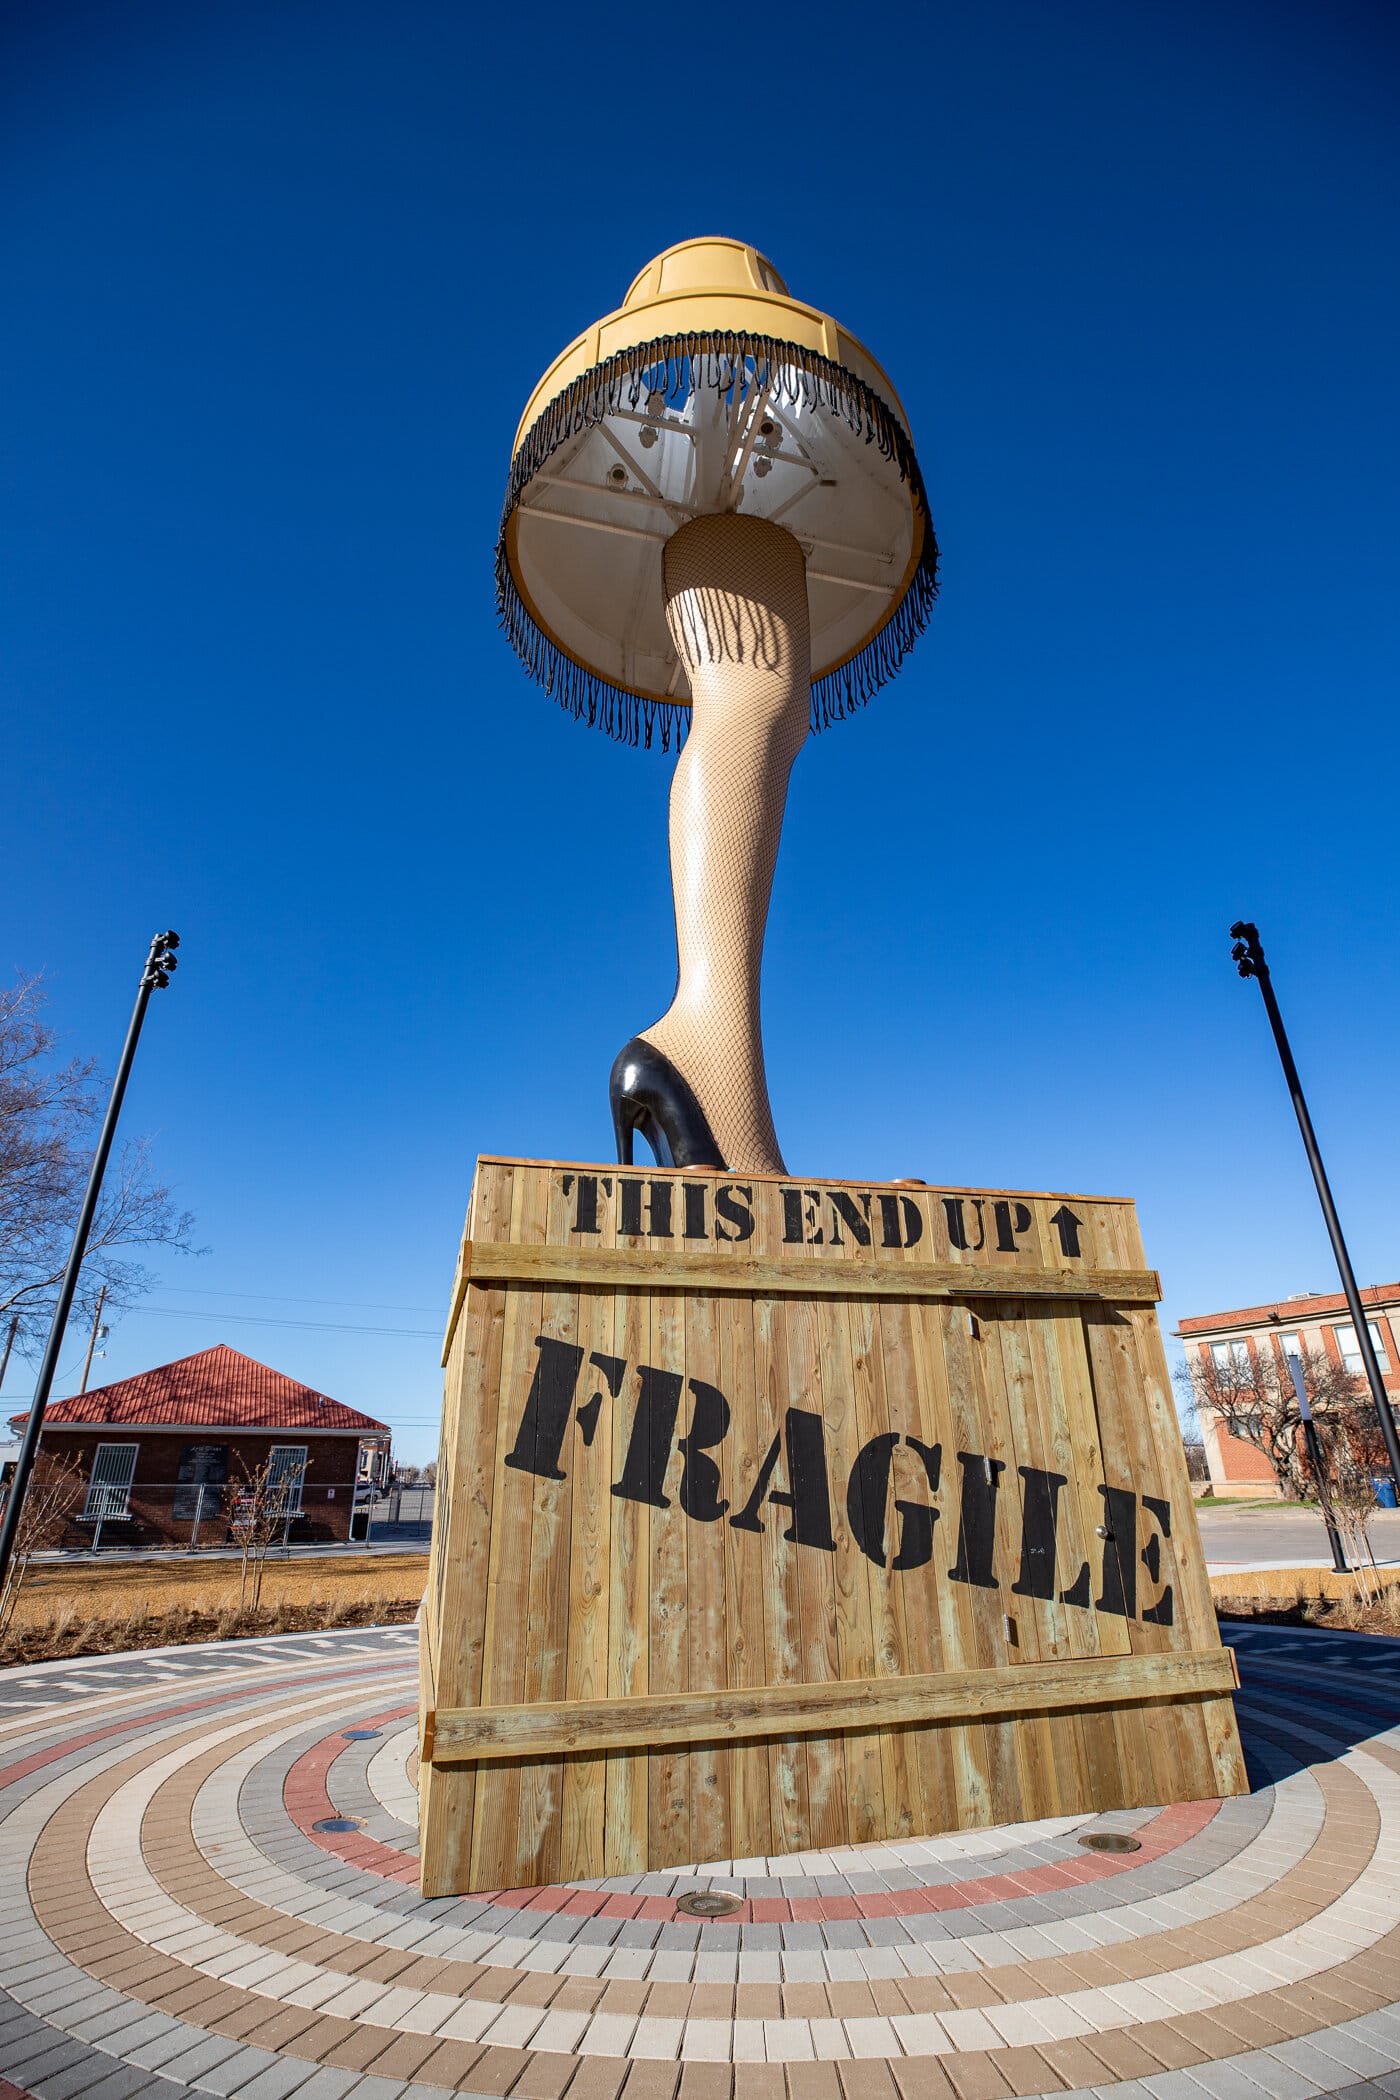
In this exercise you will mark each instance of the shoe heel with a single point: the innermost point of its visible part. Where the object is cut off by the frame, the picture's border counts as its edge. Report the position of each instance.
(647, 1093)
(622, 1132)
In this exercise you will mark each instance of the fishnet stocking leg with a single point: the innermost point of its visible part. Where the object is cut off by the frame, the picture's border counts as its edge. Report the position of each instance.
(736, 605)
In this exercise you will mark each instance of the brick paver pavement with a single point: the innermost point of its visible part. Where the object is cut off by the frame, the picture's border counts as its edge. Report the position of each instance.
(173, 1922)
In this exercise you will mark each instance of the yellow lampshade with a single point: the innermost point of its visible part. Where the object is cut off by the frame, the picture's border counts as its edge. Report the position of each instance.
(711, 389)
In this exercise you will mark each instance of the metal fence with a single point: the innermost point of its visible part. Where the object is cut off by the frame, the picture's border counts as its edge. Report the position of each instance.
(103, 1516)
(110, 1515)
(405, 1505)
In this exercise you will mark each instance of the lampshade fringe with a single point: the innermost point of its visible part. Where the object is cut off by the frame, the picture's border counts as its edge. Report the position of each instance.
(676, 366)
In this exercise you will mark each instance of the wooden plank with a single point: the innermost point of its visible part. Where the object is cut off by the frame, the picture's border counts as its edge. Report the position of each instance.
(629, 1617)
(702, 1607)
(460, 1284)
(538, 1849)
(944, 1340)
(746, 1775)
(892, 1780)
(983, 1445)
(767, 1574)
(910, 1410)
(584, 1777)
(864, 1794)
(740, 1713)
(806, 1581)
(498, 1837)
(766, 1569)
(1026, 1748)
(669, 1589)
(818, 1181)
(634, 1267)
(1065, 1631)
(1113, 1367)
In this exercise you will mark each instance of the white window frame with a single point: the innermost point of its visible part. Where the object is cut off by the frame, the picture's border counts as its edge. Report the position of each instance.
(1351, 1357)
(280, 1476)
(1230, 1356)
(110, 1499)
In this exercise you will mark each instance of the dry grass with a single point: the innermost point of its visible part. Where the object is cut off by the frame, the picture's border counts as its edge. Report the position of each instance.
(117, 1588)
(71, 1609)
(1309, 1597)
(85, 1609)
(69, 1634)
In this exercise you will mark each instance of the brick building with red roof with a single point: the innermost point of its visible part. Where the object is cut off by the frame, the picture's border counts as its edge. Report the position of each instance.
(164, 1456)
(1308, 1321)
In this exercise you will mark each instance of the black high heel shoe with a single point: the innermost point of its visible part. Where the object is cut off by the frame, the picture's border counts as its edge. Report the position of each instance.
(648, 1094)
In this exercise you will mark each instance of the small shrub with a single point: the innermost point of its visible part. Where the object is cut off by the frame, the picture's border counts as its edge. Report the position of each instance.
(1345, 1607)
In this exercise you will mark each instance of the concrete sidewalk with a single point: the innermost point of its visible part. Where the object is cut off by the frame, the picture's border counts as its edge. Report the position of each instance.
(175, 1919)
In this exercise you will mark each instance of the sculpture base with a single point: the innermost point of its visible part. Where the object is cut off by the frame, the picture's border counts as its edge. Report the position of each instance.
(775, 1516)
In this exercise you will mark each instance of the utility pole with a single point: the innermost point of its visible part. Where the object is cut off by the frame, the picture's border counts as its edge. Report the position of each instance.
(97, 1329)
(154, 977)
(1248, 953)
(9, 1345)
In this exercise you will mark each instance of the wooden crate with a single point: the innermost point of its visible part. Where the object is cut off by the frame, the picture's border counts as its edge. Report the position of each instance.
(777, 1515)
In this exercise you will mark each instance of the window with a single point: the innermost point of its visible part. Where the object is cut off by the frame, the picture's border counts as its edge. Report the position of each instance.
(109, 1490)
(1230, 1356)
(1351, 1351)
(285, 1474)
(1290, 1344)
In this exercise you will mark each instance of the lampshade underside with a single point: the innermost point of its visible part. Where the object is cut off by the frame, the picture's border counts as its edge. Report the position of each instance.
(669, 427)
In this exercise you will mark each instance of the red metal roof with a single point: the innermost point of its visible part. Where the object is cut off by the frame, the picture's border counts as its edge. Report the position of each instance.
(217, 1389)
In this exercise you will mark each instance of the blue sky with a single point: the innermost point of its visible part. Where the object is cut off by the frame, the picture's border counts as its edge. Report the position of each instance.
(279, 279)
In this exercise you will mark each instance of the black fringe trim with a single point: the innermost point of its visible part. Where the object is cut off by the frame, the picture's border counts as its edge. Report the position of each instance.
(676, 366)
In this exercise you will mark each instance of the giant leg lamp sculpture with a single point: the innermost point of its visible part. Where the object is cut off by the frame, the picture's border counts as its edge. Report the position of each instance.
(639, 1647)
(714, 510)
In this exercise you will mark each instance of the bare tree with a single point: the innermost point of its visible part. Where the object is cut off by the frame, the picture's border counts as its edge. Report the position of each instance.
(1355, 1454)
(48, 1110)
(54, 1488)
(1250, 1395)
(262, 1509)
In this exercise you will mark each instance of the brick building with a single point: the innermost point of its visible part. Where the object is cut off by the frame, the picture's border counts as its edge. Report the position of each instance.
(162, 1457)
(1308, 1321)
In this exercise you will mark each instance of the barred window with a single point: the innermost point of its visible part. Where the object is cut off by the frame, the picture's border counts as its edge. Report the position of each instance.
(285, 1474)
(109, 1490)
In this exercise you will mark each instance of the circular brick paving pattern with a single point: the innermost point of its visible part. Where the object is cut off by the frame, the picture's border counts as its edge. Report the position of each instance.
(176, 1917)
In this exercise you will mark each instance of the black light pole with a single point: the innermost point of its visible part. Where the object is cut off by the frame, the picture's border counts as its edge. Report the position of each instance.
(155, 976)
(1248, 953)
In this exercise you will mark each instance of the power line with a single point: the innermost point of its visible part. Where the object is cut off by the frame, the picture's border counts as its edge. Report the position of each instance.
(7, 1408)
(190, 1312)
(190, 1290)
